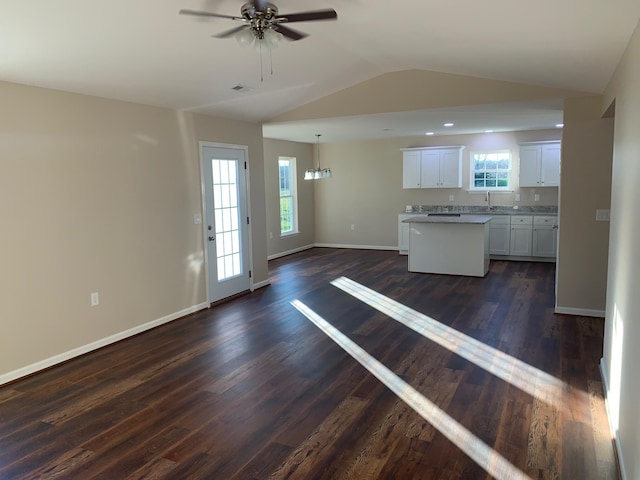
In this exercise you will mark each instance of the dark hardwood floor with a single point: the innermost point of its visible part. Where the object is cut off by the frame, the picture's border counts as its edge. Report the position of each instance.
(254, 389)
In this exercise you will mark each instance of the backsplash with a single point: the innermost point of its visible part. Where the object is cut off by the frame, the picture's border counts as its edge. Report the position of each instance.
(550, 210)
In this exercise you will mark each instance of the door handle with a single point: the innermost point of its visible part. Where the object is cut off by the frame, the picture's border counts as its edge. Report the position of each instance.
(211, 239)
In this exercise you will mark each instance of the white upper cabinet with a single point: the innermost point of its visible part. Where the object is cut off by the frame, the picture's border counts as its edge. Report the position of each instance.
(540, 164)
(432, 167)
(411, 169)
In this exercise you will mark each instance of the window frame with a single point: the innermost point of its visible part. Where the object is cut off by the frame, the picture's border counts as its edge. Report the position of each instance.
(473, 171)
(292, 195)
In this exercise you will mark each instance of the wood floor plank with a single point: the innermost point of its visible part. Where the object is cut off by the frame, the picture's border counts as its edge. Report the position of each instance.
(251, 389)
(313, 454)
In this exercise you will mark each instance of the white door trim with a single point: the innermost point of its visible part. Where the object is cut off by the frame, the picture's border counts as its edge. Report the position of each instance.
(245, 148)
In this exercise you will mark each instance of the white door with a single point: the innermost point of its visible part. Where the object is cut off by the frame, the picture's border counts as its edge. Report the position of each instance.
(226, 220)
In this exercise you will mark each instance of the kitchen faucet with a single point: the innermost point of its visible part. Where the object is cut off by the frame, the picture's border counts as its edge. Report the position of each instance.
(489, 207)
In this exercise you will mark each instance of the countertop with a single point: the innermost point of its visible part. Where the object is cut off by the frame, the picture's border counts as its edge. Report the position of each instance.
(473, 219)
(551, 211)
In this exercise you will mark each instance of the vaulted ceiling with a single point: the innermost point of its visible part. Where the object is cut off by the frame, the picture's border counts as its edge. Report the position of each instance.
(144, 52)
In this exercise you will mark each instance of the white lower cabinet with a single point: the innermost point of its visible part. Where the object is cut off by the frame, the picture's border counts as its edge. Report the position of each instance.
(521, 240)
(500, 235)
(545, 236)
(509, 235)
(403, 233)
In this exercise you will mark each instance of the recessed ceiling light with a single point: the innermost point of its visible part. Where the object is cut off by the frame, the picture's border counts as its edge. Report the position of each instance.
(429, 133)
(447, 124)
(559, 125)
(488, 131)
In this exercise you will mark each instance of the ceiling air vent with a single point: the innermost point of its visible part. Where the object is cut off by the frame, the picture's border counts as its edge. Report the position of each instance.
(241, 88)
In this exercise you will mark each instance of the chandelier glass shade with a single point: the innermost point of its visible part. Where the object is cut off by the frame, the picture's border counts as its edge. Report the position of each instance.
(317, 173)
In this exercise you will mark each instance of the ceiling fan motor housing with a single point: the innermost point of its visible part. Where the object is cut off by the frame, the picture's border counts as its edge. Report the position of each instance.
(260, 20)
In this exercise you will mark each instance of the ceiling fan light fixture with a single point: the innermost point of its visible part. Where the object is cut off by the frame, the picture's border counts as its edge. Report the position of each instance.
(272, 38)
(245, 37)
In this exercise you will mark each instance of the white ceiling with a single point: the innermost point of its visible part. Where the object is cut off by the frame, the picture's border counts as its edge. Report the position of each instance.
(143, 51)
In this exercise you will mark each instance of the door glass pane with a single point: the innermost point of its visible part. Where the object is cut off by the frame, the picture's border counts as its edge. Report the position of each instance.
(225, 197)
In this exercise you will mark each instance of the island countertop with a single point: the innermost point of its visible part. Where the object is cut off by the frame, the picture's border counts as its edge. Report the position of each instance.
(473, 219)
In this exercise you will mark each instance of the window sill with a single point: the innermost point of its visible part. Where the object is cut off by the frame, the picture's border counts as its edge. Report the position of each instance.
(289, 234)
(492, 190)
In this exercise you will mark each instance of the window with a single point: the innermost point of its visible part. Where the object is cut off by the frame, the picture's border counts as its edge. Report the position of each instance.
(288, 200)
(490, 170)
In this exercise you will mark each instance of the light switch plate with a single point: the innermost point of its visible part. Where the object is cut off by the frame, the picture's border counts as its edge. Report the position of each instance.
(197, 218)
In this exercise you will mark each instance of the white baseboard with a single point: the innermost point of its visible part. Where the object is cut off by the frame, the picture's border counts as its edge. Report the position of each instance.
(616, 441)
(356, 247)
(289, 252)
(258, 285)
(583, 312)
(76, 352)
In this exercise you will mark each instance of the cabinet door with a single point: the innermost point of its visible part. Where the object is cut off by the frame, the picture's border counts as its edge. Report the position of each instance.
(430, 169)
(499, 239)
(410, 169)
(545, 240)
(530, 166)
(521, 240)
(550, 165)
(403, 234)
(450, 169)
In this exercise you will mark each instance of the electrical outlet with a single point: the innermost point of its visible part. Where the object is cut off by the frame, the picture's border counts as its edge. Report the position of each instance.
(95, 299)
(353, 226)
(451, 198)
(536, 198)
(603, 215)
(517, 197)
(271, 235)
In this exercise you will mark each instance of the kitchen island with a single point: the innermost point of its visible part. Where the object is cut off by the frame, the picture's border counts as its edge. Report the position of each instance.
(449, 244)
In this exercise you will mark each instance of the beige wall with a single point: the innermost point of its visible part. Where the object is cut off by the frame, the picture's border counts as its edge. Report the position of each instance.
(304, 155)
(583, 242)
(622, 324)
(416, 90)
(366, 188)
(99, 196)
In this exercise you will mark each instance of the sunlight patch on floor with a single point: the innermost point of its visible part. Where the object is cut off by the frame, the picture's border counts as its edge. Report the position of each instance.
(527, 378)
(490, 460)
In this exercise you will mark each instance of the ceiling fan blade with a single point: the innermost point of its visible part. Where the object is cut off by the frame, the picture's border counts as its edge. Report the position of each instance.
(230, 33)
(198, 13)
(309, 16)
(289, 33)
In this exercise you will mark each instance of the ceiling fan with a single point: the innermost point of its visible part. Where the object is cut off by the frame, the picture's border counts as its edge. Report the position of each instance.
(261, 18)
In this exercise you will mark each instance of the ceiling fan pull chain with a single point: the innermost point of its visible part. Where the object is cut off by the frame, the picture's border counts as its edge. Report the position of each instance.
(271, 59)
(261, 75)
